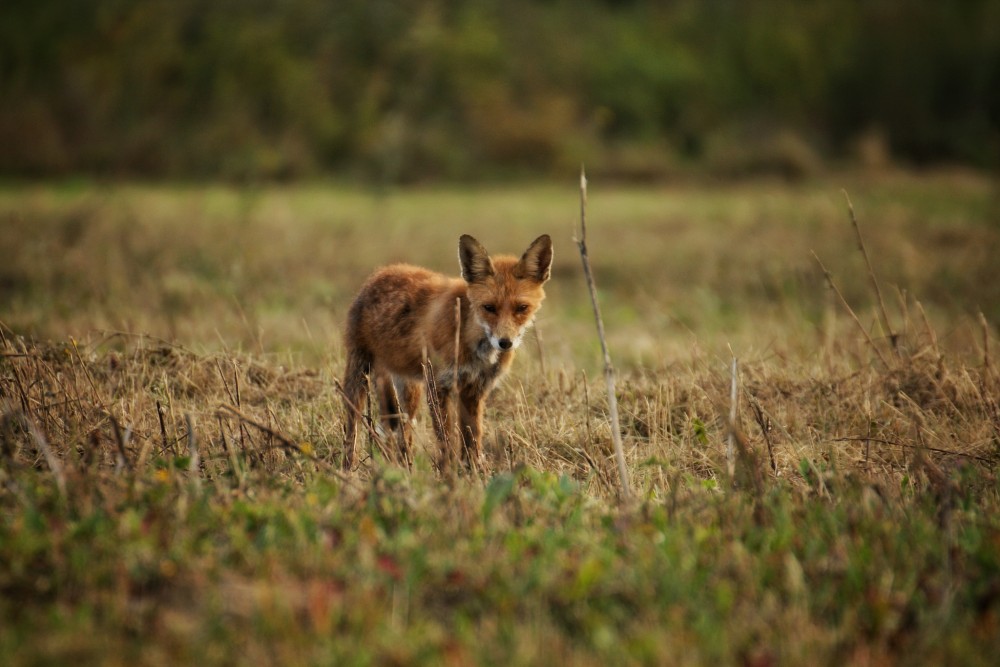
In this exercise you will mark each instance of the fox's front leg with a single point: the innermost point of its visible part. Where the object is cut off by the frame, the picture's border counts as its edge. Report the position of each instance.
(471, 421)
(439, 405)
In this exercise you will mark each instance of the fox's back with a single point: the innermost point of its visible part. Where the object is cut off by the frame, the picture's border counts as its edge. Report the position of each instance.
(389, 317)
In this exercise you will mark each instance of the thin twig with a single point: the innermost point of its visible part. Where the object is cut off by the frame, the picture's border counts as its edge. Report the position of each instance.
(460, 442)
(538, 348)
(986, 340)
(930, 330)
(609, 371)
(764, 422)
(195, 461)
(369, 418)
(358, 415)
(437, 415)
(788, 437)
(833, 286)
(405, 455)
(163, 427)
(230, 452)
(602, 476)
(868, 443)
(252, 454)
(905, 445)
(733, 389)
(586, 403)
(893, 337)
(42, 444)
(120, 442)
(285, 442)
(90, 378)
(17, 375)
(222, 437)
(239, 403)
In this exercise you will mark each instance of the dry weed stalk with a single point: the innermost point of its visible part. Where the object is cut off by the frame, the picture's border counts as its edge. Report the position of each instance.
(194, 465)
(764, 422)
(446, 462)
(284, 442)
(609, 371)
(452, 454)
(41, 444)
(733, 389)
(163, 427)
(847, 306)
(362, 418)
(121, 442)
(893, 337)
(986, 341)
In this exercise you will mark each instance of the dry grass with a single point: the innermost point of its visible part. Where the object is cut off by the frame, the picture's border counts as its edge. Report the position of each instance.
(129, 397)
(865, 488)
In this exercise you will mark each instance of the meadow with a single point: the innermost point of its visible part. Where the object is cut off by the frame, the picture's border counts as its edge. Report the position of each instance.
(171, 430)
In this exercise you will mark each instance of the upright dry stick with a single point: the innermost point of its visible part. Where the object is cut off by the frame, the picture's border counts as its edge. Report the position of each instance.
(893, 337)
(437, 415)
(538, 348)
(764, 422)
(195, 459)
(986, 341)
(121, 460)
(733, 396)
(163, 428)
(452, 455)
(609, 371)
(405, 456)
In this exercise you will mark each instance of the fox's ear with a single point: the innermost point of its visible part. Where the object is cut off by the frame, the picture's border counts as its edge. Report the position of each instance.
(536, 262)
(475, 261)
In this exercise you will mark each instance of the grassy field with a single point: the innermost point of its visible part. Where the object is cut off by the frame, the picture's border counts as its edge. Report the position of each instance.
(170, 425)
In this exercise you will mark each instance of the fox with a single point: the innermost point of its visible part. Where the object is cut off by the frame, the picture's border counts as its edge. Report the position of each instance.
(409, 328)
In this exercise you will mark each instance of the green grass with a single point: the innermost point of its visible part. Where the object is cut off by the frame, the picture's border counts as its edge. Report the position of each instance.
(400, 569)
(860, 526)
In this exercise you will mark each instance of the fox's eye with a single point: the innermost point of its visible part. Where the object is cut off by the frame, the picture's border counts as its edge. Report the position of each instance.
(490, 308)
(521, 308)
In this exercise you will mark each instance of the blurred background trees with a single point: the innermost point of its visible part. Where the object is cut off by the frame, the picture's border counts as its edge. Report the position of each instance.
(405, 90)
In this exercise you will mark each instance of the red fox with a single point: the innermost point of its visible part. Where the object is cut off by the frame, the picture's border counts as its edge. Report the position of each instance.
(405, 317)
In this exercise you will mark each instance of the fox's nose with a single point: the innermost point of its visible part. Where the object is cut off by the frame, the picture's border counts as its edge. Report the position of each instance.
(505, 343)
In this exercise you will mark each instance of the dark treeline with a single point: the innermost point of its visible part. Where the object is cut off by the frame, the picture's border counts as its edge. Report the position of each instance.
(421, 89)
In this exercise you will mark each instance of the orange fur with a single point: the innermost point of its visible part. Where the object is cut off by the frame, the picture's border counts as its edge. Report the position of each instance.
(404, 314)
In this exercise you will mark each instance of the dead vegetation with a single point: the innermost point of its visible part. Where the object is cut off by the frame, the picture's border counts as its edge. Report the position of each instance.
(121, 403)
(166, 485)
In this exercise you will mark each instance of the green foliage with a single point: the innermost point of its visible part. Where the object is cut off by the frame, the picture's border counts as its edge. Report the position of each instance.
(413, 90)
(144, 568)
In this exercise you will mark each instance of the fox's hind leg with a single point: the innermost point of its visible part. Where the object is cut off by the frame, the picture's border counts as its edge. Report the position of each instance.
(413, 394)
(399, 400)
(359, 367)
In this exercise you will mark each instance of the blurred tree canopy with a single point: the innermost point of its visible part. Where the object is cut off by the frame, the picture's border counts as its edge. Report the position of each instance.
(397, 90)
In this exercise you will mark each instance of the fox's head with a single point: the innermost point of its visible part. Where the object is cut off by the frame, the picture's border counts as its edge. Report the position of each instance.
(505, 292)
